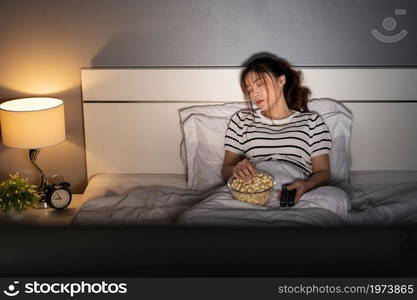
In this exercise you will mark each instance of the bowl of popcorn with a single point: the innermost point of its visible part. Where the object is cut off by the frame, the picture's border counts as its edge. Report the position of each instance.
(255, 191)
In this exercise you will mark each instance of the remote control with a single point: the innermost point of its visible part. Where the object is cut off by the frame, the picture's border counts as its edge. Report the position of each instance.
(287, 196)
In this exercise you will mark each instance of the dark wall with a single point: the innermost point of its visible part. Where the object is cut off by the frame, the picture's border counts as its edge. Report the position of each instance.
(45, 43)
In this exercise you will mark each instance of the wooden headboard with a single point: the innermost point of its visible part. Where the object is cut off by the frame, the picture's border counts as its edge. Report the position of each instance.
(131, 116)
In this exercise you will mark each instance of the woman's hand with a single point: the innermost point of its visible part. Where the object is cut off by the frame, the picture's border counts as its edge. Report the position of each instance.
(301, 186)
(244, 170)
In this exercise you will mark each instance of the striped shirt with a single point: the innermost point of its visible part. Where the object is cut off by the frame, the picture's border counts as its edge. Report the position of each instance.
(295, 139)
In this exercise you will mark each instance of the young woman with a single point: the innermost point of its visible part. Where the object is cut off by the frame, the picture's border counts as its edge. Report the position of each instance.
(277, 126)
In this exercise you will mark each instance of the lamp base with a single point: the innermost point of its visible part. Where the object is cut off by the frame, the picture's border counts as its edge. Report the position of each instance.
(41, 204)
(33, 154)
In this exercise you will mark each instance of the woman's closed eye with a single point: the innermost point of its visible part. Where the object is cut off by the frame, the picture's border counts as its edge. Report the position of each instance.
(249, 89)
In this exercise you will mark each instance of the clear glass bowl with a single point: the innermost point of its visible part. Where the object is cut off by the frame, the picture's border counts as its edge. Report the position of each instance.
(258, 197)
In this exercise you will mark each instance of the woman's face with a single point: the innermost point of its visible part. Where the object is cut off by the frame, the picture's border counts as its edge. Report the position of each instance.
(264, 95)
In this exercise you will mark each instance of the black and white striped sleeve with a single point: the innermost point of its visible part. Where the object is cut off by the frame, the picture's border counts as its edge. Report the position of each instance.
(320, 138)
(233, 140)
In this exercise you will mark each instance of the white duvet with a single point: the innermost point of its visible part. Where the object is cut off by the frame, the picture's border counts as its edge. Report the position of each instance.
(141, 205)
(162, 205)
(324, 206)
(382, 205)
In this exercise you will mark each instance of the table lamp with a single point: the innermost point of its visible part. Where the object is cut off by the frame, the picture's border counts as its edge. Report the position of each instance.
(33, 123)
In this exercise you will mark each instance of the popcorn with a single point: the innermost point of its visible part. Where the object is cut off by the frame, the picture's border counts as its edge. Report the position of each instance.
(256, 191)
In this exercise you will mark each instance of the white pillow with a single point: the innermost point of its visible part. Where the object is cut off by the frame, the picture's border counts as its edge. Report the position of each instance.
(204, 150)
(213, 110)
(205, 127)
(339, 125)
(321, 106)
(324, 106)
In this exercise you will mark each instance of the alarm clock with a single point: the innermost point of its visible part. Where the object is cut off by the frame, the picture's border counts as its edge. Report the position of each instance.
(58, 195)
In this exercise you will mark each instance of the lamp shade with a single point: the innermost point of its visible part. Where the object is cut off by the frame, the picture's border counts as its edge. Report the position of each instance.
(32, 123)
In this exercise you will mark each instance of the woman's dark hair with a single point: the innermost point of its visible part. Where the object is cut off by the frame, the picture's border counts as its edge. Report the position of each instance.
(266, 64)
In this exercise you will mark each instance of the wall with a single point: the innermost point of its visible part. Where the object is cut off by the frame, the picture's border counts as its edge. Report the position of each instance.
(45, 43)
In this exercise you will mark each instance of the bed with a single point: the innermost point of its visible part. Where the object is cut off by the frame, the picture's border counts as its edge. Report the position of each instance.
(125, 155)
(154, 146)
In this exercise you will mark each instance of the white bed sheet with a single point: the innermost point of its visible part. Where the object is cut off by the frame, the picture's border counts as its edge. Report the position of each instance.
(111, 184)
(105, 185)
(377, 197)
(383, 198)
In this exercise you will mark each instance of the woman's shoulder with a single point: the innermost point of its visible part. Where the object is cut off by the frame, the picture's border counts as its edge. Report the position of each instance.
(244, 114)
(311, 116)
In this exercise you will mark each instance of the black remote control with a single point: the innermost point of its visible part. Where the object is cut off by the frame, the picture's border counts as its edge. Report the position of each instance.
(287, 196)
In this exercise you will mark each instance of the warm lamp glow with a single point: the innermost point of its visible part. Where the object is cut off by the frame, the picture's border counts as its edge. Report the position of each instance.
(32, 123)
(33, 69)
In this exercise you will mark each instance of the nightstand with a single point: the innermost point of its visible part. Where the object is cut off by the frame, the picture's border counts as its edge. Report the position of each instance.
(47, 217)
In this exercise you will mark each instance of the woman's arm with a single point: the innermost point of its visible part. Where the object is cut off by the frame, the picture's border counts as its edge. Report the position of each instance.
(320, 176)
(321, 171)
(237, 165)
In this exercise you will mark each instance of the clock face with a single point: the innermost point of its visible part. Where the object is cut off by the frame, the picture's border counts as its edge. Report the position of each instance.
(60, 198)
